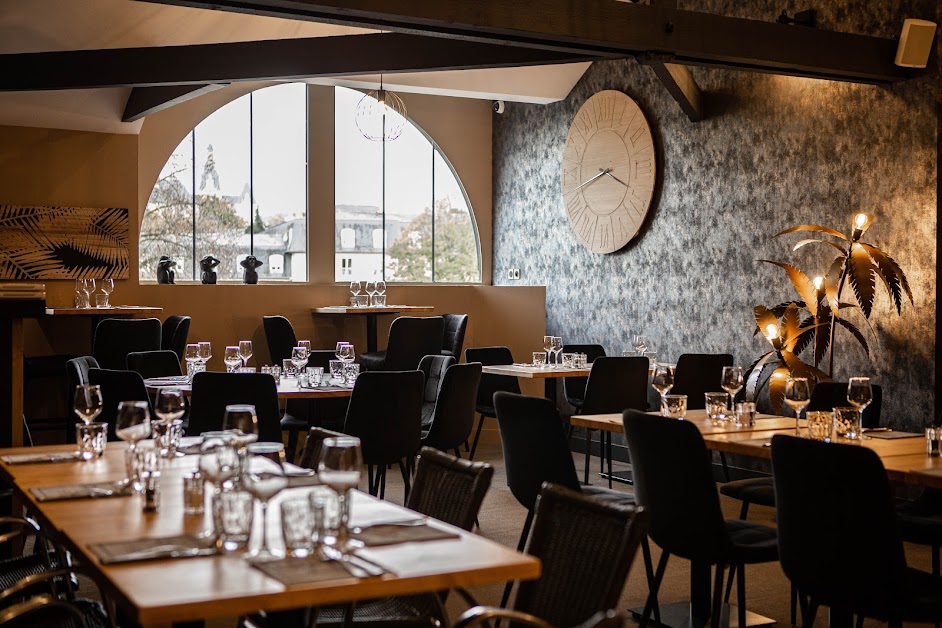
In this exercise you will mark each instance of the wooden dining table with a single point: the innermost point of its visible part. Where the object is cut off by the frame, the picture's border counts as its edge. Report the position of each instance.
(372, 313)
(95, 314)
(287, 388)
(225, 585)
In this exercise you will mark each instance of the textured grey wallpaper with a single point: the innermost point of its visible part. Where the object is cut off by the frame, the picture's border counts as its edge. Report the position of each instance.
(772, 152)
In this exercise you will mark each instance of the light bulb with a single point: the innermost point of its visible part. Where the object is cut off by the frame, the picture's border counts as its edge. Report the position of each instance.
(771, 331)
(818, 282)
(860, 220)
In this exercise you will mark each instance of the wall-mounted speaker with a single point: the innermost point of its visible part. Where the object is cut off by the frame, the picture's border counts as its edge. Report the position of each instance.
(915, 43)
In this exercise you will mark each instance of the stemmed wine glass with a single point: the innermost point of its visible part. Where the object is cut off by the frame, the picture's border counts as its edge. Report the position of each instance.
(192, 358)
(859, 395)
(732, 382)
(797, 396)
(548, 347)
(107, 287)
(339, 469)
(370, 289)
(662, 381)
(245, 351)
(132, 424)
(345, 352)
(558, 350)
(206, 352)
(88, 402)
(88, 287)
(264, 477)
(640, 343)
(81, 299)
(381, 288)
(219, 463)
(355, 288)
(242, 421)
(299, 359)
(306, 345)
(231, 358)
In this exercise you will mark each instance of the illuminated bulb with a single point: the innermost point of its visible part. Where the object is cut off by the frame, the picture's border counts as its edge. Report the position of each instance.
(771, 331)
(818, 282)
(860, 220)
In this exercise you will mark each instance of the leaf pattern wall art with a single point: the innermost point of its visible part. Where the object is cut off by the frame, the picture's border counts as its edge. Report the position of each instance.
(39, 242)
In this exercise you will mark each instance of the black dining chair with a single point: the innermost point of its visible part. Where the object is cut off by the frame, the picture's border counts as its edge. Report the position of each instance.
(311, 453)
(674, 482)
(279, 333)
(453, 418)
(574, 387)
(699, 373)
(411, 338)
(433, 367)
(385, 413)
(212, 392)
(823, 492)
(162, 363)
(453, 340)
(490, 384)
(117, 386)
(115, 338)
(173, 335)
(48, 600)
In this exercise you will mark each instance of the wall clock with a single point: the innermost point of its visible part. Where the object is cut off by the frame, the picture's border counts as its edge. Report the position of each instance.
(608, 171)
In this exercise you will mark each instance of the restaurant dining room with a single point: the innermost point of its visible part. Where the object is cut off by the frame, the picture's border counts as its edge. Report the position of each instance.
(470, 313)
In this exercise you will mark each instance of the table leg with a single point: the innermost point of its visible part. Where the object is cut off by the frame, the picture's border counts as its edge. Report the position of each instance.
(11, 382)
(371, 333)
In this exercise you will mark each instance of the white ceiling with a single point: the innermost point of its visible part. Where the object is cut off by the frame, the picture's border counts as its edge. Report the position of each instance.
(51, 25)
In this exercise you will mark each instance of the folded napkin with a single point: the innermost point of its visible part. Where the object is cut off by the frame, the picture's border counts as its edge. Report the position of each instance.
(81, 491)
(392, 533)
(70, 456)
(182, 546)
(892, 434)
(293, 571)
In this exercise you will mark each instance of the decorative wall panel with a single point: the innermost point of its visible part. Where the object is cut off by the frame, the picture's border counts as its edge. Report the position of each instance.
(63, 242)
(772, 152)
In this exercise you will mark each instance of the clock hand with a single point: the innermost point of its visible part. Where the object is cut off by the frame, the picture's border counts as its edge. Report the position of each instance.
(609, 173)
(601, 173)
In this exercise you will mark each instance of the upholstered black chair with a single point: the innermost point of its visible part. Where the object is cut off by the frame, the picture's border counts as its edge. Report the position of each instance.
(173, 335)
(385, 413)
(585, 548)
(490, 384)
(574, 387)
(411, 338)
(163, 363)
(76, 371)
(433, 367)
(453, 341)
(117, 386)
(699, 373)
(115, 338)
(615, 385)
(674, 482)
(280, 336)
(212, 392)
(311, 454)
(822, 491)
(454, 409)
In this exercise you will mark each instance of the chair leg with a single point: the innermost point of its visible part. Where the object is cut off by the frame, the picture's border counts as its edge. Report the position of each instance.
(649, 573)
(369, 474)
(744, 510)
(807, 617)
(652, 592)
(457, 452)
(725, 466)
(729, 582)
(405, 480)
(608, 454)
(794, 604)
(935, 560)
(292, 445)
(382, 482)
(477, 436)
(860, 620)
(717, 609)
(588, 453)
(520, 545)
(741, 595)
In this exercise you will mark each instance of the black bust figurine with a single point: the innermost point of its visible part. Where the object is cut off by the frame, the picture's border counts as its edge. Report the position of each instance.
(165, 270)
(250, 263)
(207, 274)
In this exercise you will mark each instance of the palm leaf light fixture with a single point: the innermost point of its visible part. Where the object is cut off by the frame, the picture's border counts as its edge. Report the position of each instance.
(381, 115)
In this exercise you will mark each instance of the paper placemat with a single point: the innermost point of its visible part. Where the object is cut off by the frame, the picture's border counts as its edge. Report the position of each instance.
(892, 434)
(390, 534)
(80, 491)
(181, 546)
(294, 571)
(71, 456)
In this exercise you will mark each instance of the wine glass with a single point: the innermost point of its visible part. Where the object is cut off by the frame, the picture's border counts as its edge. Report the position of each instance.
(306, 345)
(170, 405)
(732, 383)
(132, 424)
(219, 463)
(242, 421)
(81, 297)
(264, 477)
(640, 343)
(88, 287)
(88, 402)
(558, 350)
(548, 347)
(662, 381)
(245, 351)
(859, 394)
(206, 352)
(231, 358)
(797, 396)
(380, 287)
(370, 289)
(192, 358)
(107, 287)
(355, 288)
(339, 470)
(347, 353)
(299, 358)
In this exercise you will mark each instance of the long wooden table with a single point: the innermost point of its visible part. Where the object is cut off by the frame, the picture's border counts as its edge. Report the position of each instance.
(95, 314)
(371, 313)
(287, 389)
(178, 590)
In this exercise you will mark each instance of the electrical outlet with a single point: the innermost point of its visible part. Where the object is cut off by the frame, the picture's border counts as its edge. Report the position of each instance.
(516, 273)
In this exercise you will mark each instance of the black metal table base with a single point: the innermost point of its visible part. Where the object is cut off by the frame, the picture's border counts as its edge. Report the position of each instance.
(678, 615)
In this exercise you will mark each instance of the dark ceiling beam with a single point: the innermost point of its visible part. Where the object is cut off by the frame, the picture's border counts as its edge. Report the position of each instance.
(144, 101)
(681, 85)
(607, 28)
(283, 59)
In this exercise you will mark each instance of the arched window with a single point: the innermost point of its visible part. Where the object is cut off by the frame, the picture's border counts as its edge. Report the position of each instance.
(406, 190)
(235, 186)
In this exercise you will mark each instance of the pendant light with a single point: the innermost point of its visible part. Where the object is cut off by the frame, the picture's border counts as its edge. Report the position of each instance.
(381, 115)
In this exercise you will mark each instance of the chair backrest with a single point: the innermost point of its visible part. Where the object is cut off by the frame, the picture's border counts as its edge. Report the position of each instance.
(411, 338)
(212, 392)
(673, 477)
(448, 488)
(163, 363)
(117, 386)
(454, 409)
(699, 373)
(829, 395)
(385, 413)
(115, 338)
(319, 357)
(280, 336)
(575, 386)
(616, 384)
(490, 384)
(586, 548)
(455, 327)
(433, 367)
(837, 531)
(311, 453)
(536, 449)
(174, 333)
(76, 371)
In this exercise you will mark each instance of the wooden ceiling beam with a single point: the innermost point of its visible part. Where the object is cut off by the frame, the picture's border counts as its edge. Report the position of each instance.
(284, 59)
(144, 101)
(681, 85)
(603, 27)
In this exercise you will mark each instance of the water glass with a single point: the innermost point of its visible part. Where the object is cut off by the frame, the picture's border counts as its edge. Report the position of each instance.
(379, 300)
(539, 358)
(193, 494)
(236, 512)
(847, 423)
(91, 439)
(820, 424)
(717, 408)
(314, 375)
(101, 300)
(350, 373)
(167, 435)
(569, 360)
(141, 461)
(325, 516)
(933, 438)
(297, 526)
(336, 370)
(675, 406)
(745, 414)
(582, 360)
(363, 300)
(629, 353)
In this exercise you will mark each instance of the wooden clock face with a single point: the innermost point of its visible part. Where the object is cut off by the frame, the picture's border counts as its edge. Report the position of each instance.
(608, 171)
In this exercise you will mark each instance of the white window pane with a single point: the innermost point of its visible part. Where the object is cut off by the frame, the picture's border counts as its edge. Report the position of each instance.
(377, 239)
(456, 246)
(347, 238)
(167, 226)
(409, 206)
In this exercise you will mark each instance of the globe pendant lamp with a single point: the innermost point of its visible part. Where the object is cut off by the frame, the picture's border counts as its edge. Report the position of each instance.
(380, 115)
